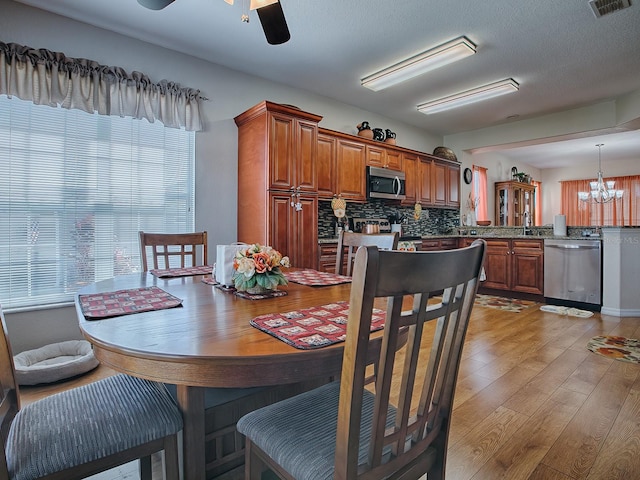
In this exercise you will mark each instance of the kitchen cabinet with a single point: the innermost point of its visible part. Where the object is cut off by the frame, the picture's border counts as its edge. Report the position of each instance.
(513, 264)
(303, 222)
(326, 165)
(277, 180)
(341, 166)
(429, 244)
(380, 156)
(327, 254)
(439, 183)
(410, 165)
(515, 204)
(351, 171)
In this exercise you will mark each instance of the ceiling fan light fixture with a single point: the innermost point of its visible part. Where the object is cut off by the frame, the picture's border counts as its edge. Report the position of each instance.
(155, 4)
(478, 94)
(255, 4)
(431, 59)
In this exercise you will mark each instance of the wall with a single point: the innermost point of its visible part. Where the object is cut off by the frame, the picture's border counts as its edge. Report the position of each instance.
(482, 147)
(230, 93)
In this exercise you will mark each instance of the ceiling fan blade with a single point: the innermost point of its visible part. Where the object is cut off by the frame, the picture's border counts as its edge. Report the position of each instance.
(274, 24)
(155, 4)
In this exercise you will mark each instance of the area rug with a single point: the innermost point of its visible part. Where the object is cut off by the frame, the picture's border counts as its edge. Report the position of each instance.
(510, 304)
(618, 348)
(570, 312)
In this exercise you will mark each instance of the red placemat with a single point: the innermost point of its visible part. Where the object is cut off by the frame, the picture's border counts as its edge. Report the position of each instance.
(182, 272)
(316, 278)
(96, 306)
(313, 327)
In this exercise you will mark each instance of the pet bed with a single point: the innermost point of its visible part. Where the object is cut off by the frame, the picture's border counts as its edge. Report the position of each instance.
(54, 362)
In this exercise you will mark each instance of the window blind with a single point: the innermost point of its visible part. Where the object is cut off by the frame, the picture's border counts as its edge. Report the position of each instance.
(75, 189)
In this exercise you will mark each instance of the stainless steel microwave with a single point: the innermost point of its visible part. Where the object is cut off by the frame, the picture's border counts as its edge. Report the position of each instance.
(385, 183)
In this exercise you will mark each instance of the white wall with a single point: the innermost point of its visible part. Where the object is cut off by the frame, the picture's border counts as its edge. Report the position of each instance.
(482, 147)
(230, 93)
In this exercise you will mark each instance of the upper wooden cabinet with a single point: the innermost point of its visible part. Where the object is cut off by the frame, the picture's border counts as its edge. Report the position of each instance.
(438, 183)
(342, 158)
(515, 202)
(381, 156)
(350, 170)
(411, 165)
(290, 149)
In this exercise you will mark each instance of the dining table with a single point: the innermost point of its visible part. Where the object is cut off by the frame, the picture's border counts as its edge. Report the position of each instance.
(208, 341)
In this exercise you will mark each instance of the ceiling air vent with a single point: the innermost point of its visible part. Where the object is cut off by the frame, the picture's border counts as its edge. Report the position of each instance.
(604, 7)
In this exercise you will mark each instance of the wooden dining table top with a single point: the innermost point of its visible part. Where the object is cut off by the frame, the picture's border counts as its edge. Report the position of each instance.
(208, 340)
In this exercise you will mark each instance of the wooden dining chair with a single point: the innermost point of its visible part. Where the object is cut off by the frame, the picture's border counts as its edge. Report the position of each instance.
(86, 430)
(344, 431)
(172, 245)
(349, 242)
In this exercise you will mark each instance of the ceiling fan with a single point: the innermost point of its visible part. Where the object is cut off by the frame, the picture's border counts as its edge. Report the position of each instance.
(269, 12)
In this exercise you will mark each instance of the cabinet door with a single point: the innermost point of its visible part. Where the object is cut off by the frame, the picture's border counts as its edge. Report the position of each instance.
(375, 156)
(281, 168)
(325, 165)
(394, 160)
(425, 178)
(453, 187)
(527, 266)
(440, 183)
(497, 264)
(410, 164)
(304, 159)
(305, 233)
(294, 233)
(350, 170)
(502, 206)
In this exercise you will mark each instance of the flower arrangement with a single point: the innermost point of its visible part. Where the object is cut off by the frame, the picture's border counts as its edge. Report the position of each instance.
(257, 267)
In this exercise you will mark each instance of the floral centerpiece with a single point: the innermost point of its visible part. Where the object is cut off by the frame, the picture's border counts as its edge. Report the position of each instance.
(257, 268)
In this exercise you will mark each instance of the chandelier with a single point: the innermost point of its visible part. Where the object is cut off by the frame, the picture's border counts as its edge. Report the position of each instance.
(601, 191)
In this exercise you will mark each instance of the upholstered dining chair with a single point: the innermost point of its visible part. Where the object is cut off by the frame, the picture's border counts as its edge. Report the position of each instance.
(349, 242)
(342, 430)
(170, 245)
(80, 432)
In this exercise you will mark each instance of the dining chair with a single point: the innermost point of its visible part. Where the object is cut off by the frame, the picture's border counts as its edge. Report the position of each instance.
(343, 430)
(86, 430)
(349, 242)
(171, 245)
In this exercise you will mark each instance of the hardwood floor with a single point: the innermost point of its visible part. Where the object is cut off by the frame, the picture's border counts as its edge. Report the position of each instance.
(532, 403)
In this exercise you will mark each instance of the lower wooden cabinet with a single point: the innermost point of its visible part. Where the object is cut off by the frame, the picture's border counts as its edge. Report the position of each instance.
(439, 244)
(294, 232)
(513, 264)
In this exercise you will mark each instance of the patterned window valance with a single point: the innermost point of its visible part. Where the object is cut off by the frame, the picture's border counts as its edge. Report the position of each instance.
(51, 78)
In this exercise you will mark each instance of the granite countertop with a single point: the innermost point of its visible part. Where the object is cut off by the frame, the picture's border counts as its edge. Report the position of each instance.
(573, 233)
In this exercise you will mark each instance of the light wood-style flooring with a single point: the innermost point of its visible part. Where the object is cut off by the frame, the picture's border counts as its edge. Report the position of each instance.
(532, 403)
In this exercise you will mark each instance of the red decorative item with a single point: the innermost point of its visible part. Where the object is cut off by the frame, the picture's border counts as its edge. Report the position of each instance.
(97, 306)
(313, 327)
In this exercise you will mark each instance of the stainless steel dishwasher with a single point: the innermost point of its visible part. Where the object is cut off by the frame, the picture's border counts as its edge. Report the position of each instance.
(573, 271)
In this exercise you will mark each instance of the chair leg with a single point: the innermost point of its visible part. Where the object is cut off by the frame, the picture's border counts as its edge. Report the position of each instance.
(145, 468)
(253, 465)
(171, 462)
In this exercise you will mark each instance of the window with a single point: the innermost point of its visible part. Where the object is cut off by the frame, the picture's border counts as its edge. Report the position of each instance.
(480, 192)
(621, 212)
(75, 190)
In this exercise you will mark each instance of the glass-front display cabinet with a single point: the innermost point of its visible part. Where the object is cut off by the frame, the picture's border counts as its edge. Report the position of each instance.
(515, 204)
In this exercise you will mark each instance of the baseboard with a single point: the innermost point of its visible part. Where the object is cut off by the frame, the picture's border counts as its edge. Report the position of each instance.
(617, 312)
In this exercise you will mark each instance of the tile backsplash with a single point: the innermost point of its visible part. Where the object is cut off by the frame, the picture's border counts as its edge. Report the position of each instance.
(433, 221)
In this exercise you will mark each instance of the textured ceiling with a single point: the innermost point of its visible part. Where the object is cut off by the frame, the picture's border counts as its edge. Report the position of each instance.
(562, 56)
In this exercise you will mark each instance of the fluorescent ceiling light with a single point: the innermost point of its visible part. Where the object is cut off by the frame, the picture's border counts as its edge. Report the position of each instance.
(423, 62)
(470, 96)
(255, 4)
